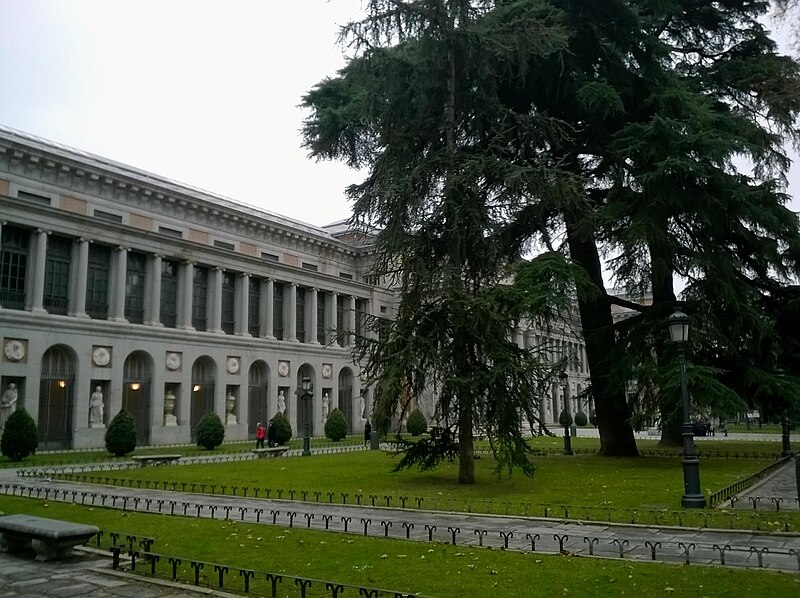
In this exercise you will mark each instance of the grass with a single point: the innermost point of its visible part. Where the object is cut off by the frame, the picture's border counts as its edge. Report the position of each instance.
(431, 569)
(186, 450)
(642, 490)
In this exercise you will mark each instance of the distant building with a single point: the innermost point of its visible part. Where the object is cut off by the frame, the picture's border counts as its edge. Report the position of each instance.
(175, 301)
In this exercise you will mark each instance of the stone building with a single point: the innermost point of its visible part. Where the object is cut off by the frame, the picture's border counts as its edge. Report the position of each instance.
(170, 302)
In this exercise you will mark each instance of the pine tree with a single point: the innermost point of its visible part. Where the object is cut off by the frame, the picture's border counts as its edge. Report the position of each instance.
(418, 106)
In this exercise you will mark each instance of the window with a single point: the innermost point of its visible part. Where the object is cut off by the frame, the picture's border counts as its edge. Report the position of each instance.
(56, 274)
(107, 216)
(33, 197)
(312, 267)
(340, 336)
(269, 256)
(170, 232)
(134, 287)
(345, 275)
(224, 245)
(199, 297)
(361, 317)
(97, 279)
(228, 302)
(277, 311)
(169, 293)
(254, 307)
(301, 314)
(13, 266)
(321, 298)
(369, 279)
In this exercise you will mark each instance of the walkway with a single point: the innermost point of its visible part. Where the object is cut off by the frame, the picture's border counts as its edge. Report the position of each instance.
(778, 492)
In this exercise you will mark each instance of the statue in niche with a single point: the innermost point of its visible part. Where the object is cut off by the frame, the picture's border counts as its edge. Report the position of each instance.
(96, 408)
(361, 407)
(169, 409)
(326, 406)
(281, 403)
(8, 403)
(230, 416)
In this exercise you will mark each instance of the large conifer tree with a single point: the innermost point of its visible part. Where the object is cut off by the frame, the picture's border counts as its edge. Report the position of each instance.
(418, 106)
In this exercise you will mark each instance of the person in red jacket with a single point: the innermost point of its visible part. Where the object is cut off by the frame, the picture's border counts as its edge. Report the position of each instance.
(261, 435)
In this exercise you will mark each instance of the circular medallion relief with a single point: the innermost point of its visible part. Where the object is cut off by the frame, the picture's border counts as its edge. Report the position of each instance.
(101, 356)
(14, 350)
(233, 365)
(326, 370)
(173, 361)
(283, 368)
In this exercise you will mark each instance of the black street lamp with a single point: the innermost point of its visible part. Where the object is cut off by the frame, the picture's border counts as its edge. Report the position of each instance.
(305, 393)
(566, 414)
(692, 496)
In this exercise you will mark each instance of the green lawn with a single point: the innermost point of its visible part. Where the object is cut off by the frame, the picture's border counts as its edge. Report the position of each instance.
(431, 569)
(642, 490)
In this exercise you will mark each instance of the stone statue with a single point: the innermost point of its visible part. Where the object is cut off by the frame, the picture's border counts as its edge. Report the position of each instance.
(230, 416)
(8, 403)
(281, 403)
(361, 407)
(326, 406)
(96, 408)
(169, 409)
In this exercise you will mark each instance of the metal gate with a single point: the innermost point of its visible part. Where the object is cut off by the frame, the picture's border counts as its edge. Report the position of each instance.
(56, 390)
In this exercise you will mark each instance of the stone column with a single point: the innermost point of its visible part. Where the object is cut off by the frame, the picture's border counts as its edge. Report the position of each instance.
(78, 307)
(243, 304)
(519, 339)
(215, 305)
(268, 308)
(120, 284)
(152, 314)
(40, 264)
(312, 311)
(185, 296)
(2, 224)
(290, 309)
(331, 333)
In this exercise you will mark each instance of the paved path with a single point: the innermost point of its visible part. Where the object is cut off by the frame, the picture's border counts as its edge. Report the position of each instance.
(90, 574)
(777, 492)
(87, 575)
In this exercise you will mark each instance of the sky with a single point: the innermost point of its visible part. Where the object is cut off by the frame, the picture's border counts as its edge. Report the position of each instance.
(205, 93)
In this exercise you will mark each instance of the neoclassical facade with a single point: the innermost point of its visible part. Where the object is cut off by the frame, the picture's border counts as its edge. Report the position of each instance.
(123, 289)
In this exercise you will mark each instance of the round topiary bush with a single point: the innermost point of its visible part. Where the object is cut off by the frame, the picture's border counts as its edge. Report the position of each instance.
(565, 419)
(416, 423)
(283, 429)
(581, 419)
(121, 434)
(20, 436)
(593, 417)
(336, 425)
(210, 431)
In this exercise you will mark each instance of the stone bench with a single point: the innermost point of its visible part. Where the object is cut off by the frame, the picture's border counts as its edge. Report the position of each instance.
(274, 451)
(50, 538)
(145, 460)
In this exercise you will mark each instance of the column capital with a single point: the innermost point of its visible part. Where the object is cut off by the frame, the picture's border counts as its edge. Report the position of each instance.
(122, 248)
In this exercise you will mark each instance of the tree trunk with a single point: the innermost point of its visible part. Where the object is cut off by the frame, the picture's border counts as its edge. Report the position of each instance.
(466, 444)
(613, 417)
(663, 303)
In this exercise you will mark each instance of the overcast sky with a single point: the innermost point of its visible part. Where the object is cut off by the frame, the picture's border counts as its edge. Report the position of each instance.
(202, 92)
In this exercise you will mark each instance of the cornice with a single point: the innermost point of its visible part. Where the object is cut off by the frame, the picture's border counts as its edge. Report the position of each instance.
(83, 173)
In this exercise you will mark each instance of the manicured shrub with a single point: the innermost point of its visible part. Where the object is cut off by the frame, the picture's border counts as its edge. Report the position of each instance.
(336, 425)
(283, 429)
(210, 431)
(581, 419)
(565, 419)
(121, 434)
(593, 417)
(416, 423)
(20, 436)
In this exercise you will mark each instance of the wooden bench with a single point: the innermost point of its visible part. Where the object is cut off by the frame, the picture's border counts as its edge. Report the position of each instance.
(50, 538)
(145, 460)
(273, 451)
